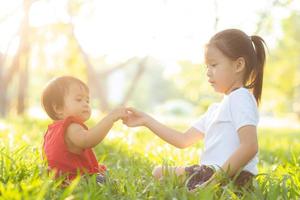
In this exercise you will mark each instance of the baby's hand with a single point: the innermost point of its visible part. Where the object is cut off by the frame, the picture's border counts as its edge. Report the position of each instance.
(118, 113)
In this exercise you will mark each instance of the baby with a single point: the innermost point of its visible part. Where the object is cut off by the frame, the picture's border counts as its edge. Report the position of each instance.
(68, 142)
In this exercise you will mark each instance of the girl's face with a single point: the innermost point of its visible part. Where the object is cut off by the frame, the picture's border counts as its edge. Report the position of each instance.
(220, 70)
(76, 103)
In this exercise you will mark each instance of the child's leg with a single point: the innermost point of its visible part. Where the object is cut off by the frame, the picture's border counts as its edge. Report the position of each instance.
(158, 171)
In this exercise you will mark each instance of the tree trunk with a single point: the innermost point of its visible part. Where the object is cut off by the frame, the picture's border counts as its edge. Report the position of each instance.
(23, 59)
(96, 84)
(2, 92)
(23, 86)
(20, 59)
(97, 81)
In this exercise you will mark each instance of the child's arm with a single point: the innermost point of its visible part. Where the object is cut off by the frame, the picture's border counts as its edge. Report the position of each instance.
(246, 151)
(179, 140)
(83, 139)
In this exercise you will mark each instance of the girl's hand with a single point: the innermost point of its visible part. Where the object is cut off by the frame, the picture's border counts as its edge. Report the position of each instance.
(118, 113)
(135, 118)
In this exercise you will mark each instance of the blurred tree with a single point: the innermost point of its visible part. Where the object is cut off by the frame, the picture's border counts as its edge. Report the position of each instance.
(2, 97)
(23, 60)
(97, 79)
(19, 64)
(265, 17)
(69, 57)
(154, 88)
(283, 70)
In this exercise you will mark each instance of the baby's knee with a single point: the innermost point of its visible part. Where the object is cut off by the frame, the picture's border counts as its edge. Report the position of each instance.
(157, 172)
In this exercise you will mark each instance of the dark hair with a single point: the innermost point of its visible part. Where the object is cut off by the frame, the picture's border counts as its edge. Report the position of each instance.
(234, 43)
(55, 91)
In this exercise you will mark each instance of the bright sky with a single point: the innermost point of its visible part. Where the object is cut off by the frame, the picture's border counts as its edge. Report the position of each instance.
(169, 30)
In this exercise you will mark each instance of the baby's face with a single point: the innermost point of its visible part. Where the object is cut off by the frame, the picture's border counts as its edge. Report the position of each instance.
(76, 103)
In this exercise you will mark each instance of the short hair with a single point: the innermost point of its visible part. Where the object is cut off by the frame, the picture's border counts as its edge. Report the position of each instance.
(55, 91)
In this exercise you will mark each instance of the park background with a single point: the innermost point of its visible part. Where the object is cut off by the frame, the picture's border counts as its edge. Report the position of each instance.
(149, 55)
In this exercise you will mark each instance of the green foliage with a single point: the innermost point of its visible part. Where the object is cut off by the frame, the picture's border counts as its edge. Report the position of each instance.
(130, 155)
(283, 68)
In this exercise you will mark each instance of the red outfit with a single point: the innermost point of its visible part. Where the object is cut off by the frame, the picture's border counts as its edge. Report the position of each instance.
(61, 159)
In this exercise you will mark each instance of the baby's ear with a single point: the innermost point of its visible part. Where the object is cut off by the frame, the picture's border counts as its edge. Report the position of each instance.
(240, 64)
(58, 110)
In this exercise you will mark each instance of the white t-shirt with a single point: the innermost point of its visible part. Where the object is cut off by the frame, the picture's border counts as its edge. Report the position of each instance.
(220, 125)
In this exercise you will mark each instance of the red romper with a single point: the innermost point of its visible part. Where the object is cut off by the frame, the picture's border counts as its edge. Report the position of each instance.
(60, 159)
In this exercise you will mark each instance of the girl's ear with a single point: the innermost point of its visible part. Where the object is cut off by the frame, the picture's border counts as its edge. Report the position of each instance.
(240, 64)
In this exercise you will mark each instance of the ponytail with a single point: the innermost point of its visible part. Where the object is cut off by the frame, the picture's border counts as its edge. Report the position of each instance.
(256, 76)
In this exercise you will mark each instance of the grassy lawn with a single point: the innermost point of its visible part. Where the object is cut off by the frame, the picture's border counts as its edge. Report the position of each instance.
(130, 155)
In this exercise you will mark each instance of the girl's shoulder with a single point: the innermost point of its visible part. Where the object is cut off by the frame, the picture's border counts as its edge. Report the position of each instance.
(240, 92)
(212, 107)
(241, 103)
(242, 96)
(242, 108)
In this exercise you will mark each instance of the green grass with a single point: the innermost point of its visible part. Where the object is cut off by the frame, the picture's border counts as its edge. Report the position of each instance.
(130, 155)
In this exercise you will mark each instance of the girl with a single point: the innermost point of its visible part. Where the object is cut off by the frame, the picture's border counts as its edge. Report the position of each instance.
(235, 63)
(68, 142)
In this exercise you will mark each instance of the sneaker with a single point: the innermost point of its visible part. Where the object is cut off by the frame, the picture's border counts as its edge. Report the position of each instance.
(201, 174)
(100, 179)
